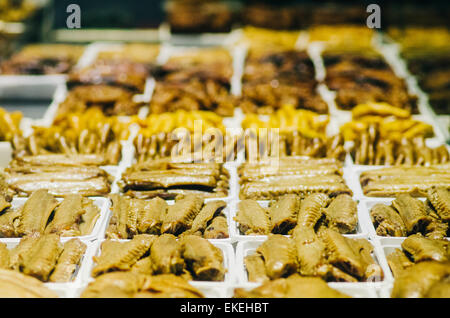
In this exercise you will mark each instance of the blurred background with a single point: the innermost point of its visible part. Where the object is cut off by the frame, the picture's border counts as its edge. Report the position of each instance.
(45, 20)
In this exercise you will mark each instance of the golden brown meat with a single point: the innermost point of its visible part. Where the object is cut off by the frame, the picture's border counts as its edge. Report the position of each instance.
(202, 258)
(279, 256)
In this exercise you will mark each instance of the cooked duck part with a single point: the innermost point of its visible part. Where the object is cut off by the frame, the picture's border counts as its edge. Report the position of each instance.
(256, 270)
(119, 214)
(89, 218)
(16, 285)
(341, 254)
(335, 274)
(422, 249)
(41, 259)
(116, 256)
(398, 262)
(437, 229)
(217, 229)
(311, 209)
(387, 221)
(18, 253)
(151, 216)
(439, 290)
(68, 261)
(180, 216)
(114, 285)
(440, 199)
(417, 280)
(252, 219)
(202, 258)
(67, 216)
(8, 223)
(311, 253)
(283, 213)
(342, 214)
(36, 212)
(294, 286)
(3, 203)
(165, 255)
(412, 212)
(143, 266)
(4, 256)
(206, 214)
(373, 271)
(279, 256)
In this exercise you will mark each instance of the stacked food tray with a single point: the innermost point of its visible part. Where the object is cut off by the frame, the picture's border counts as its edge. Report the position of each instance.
(231, 194)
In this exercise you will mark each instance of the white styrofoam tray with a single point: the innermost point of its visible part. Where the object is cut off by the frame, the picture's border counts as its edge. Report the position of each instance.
(225, 211)
(246, 248)
(64, 289)
(99, 228)
(237, 236)
(228, 263)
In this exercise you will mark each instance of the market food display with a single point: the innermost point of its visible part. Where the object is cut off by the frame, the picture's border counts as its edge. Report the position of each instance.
(407, 215)
(191, 257)
(241, 150)
(189, 215)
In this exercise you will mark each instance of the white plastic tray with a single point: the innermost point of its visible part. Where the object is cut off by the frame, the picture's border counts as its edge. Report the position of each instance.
(249, 247)
(65, 289)
(99, 228)
(225, 211)
(237, 236)
(228, 260)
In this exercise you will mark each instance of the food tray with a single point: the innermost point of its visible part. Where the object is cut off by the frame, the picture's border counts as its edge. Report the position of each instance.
(226, 212)
(98, 231)
(366, 206)
(228, 259)
(238, 237)
(64, 289)
(354, 290)
(249, 247)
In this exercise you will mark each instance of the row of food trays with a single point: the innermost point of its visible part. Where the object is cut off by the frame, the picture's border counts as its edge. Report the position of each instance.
(363, 204)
